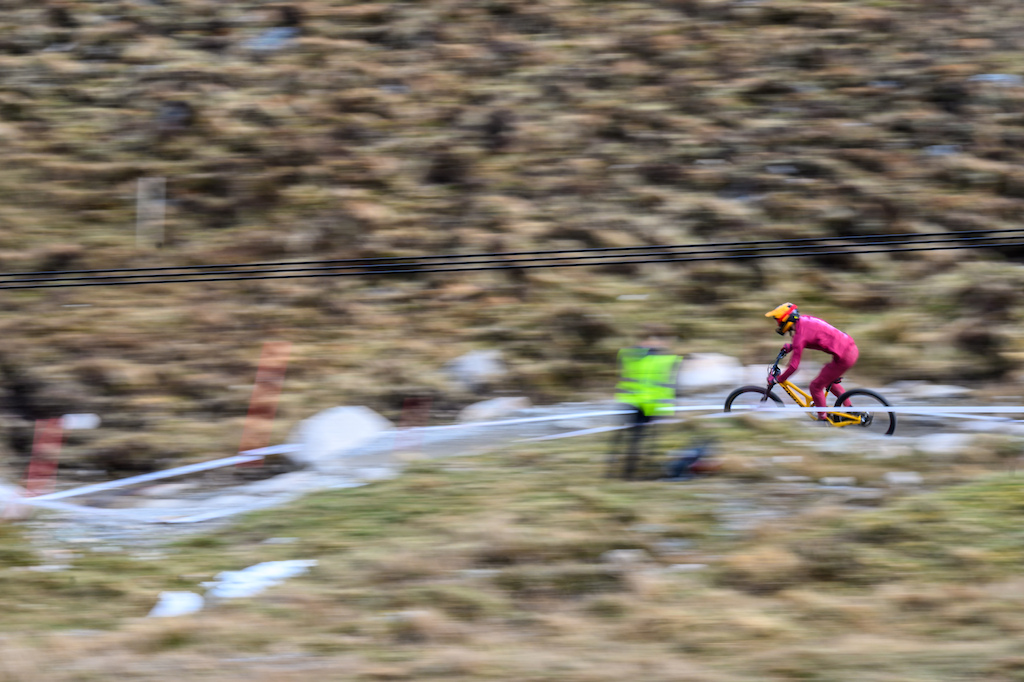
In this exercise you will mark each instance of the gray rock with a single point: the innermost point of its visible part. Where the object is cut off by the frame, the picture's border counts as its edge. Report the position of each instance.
(479, 572)
(1009, 427)
(673, 546)
(164, 490)
(650, 528)
(889, 451)
(232, 501)
(273, 39)
(294, 481)
(377, 473)
(49, 568)
(942, 149)
(839, 444)
(159, 503)
(862, 496)
(1002, 79)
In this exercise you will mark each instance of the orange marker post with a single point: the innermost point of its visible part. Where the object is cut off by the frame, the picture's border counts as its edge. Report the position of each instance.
(266, 394)
(42, 469)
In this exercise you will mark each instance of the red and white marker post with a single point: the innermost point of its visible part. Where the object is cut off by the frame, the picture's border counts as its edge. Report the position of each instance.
(41, 476)
(266, 393)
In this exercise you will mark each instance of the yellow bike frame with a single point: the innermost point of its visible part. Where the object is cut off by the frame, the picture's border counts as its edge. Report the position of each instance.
(804, 399)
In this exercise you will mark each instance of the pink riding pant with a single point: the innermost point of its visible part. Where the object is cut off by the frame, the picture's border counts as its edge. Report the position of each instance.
(830, 373)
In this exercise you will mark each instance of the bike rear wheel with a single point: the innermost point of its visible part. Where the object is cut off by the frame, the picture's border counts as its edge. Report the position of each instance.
(749, 397)
(871, 406)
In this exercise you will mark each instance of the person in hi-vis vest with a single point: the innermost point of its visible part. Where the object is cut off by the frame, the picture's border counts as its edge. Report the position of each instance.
(647, 386)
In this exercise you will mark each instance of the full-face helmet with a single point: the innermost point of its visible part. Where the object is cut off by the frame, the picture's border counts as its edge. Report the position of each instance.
(786, 315)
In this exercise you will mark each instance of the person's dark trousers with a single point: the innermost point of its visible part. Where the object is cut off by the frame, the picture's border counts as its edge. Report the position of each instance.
(634, 436)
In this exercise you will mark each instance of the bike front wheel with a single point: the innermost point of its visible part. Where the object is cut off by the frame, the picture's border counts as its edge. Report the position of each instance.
(749, 397)
(871, 408)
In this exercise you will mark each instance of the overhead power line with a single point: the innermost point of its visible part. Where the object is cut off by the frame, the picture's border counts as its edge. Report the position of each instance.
(368, 268)
(978, 234)
(520, 260)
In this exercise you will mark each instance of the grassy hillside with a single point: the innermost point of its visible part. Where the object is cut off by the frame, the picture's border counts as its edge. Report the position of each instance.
(453, 126)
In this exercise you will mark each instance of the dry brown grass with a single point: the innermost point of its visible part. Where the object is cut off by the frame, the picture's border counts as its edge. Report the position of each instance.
(400, 594)
(673, 122)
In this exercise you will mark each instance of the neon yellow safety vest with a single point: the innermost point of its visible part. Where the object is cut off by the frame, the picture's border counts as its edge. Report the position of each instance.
(648, 380)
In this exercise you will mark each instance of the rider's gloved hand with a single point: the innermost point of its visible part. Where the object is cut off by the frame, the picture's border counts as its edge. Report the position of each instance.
(787, 348)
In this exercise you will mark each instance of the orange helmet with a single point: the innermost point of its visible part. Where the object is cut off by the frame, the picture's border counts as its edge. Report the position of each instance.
(786, 315)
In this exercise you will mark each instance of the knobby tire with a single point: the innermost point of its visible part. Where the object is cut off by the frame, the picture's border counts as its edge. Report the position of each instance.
(871, 401)
(760, 390)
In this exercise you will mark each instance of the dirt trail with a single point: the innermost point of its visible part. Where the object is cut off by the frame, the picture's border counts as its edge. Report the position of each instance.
(154, 514)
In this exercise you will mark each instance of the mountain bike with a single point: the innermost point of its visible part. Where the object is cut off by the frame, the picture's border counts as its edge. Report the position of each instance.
(866, 408)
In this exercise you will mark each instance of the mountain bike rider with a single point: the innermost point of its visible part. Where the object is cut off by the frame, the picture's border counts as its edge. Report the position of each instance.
(816, 334)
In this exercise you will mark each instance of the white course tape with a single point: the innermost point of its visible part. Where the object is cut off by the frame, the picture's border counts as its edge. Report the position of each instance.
(581, 432)
(49, 501)
(145, 478)
(976, 417)
(596, 429)
(900, 409)
(205, 516)
(524, 420)
(69, 508)
(273, 450)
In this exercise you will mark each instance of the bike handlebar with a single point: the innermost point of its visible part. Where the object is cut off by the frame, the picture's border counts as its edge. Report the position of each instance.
(774, 370)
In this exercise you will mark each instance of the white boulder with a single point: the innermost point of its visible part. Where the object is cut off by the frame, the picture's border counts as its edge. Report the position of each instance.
(943, 444)
(171, 604)
(840, 481)
(496, 408)
(12, 505)
(255, 579)
(625, 557)
(888, 450)
(703, 371)
(901, 478)
(476, 369)
(922, 390)
(332, 433)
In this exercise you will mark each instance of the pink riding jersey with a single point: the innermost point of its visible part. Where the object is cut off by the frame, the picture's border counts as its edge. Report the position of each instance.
(816, 334)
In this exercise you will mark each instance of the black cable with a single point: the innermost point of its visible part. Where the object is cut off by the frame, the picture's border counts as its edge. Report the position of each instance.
(479, 268)
(416, 267)
(606, 249)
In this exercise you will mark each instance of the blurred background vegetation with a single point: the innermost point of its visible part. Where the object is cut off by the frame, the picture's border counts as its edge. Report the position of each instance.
(334, 129)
